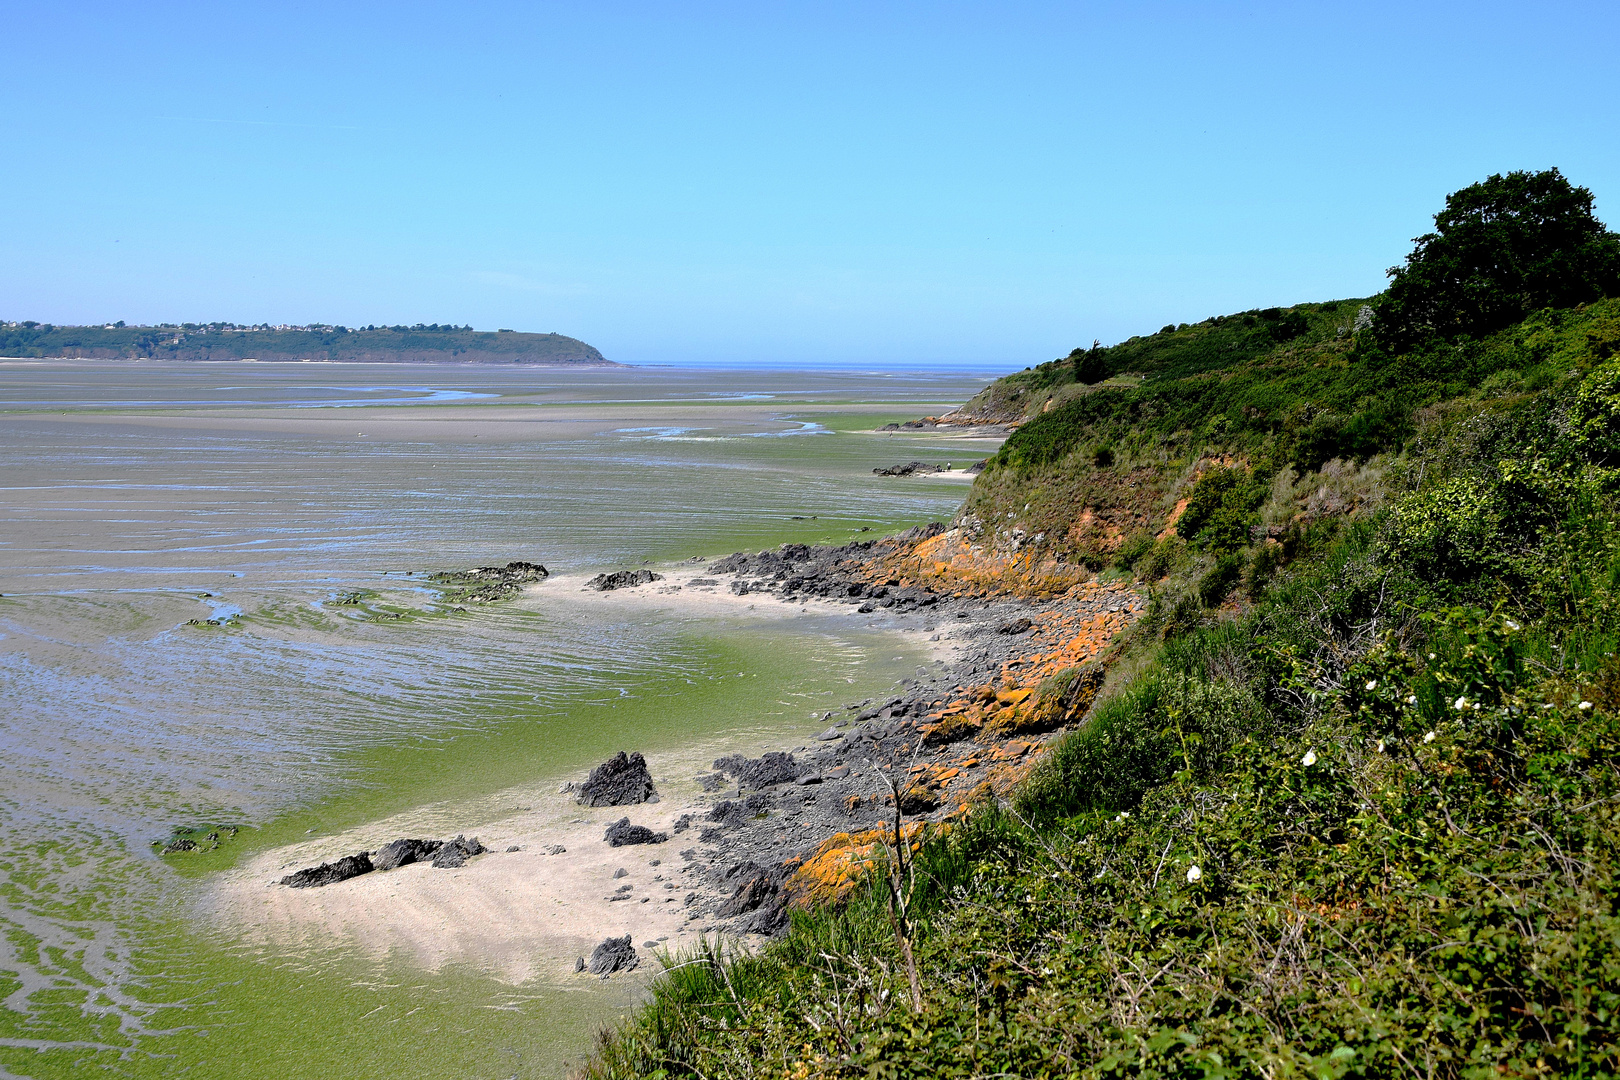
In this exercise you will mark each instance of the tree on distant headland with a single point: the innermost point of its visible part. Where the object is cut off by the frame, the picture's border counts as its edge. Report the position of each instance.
(1090, 365)
(1501, 249)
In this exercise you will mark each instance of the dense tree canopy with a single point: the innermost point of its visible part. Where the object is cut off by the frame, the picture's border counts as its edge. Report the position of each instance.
(1501, 249)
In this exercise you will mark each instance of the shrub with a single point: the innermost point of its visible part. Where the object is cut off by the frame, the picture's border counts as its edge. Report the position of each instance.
(1594, 416)
(1220, 508)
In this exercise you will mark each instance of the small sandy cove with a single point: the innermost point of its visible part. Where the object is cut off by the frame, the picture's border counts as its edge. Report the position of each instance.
(524, 914)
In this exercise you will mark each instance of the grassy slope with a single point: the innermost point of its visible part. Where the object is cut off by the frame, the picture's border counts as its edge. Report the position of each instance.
(175, 343)
(1350, 805)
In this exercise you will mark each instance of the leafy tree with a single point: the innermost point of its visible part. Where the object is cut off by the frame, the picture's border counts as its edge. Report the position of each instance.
(1501, 249)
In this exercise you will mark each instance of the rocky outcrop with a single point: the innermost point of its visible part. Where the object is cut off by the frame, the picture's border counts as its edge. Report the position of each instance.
(399, 853)
(487, 584)
(911, 468)
(734, 813)
(622, 780)
(614, 954)
(762, 772)
(455, 853)
(622, 579)
(759, 891)
(621, 834)
(330, 873)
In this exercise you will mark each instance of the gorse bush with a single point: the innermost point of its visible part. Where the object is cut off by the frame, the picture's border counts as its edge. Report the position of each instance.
(1220, 508)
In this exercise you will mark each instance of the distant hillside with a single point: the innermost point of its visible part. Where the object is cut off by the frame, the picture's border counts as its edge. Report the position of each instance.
(227, 341)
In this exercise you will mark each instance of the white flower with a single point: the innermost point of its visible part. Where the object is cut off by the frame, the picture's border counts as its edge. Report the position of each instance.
(1309, 759)
(1583, 706)
(1429, 737)
(1510, 624)
(1194, 875)
(1460, 704)
(1431, 656)
(1372, 684)
(1411, 699)
(1380, 746)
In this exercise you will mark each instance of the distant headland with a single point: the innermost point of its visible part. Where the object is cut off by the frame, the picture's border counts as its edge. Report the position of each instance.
(419, 344)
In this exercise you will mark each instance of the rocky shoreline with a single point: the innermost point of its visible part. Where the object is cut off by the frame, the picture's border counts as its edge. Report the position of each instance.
(751, 838)
(795, 827)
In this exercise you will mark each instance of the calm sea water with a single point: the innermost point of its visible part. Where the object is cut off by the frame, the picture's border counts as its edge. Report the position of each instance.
(136, 498)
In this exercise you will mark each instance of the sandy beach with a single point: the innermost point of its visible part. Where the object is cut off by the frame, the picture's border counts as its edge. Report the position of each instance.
(529, 914)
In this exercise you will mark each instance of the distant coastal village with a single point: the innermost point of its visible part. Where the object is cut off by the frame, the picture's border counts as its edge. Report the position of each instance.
(421, 343)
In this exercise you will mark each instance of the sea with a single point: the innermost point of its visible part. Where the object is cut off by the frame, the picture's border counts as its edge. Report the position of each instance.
(216, 614)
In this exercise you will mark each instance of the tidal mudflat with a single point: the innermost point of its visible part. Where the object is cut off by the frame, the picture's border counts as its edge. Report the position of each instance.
(216, 613)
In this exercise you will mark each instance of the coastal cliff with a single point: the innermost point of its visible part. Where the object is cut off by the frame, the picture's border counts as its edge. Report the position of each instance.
(1307, 623)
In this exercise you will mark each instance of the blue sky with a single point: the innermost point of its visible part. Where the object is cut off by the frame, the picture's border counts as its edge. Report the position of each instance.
(984, 184)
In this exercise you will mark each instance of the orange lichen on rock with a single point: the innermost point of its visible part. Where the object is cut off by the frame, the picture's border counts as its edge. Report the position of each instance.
(949, 563)
(831, 872)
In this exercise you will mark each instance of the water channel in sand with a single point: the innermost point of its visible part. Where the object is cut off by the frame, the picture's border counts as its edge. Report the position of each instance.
(136, 498)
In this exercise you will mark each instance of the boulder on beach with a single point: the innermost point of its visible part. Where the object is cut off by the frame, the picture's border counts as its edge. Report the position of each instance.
(1017, 626)
(614, 954)
(329, 873)
(454, 853)
(403, 852)
(622, 579)
(622, 780)
(621, 834)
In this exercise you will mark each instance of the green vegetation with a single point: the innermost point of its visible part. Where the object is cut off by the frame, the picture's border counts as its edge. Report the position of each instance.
(1348, 805)
(228, 341)
(1500, 250)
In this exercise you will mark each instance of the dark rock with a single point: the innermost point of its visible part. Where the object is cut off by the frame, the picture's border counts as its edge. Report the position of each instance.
(923, 532)
(1017, 626)
(555, 849)
(910, 468)
(614, 954)
(621, 834)
(978, 466)
(762, 772)
(403, 852)
(622, 780)
(712, 781)
(808, 779)
(749, 895)
(329, 873)
(579, 964)
(734, 814)
(456, 852)
(918, 800)
(622, 579)
(513, 848)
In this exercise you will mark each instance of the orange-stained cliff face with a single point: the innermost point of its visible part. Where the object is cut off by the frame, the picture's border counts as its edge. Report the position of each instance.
(952, 565)
(982, 739)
